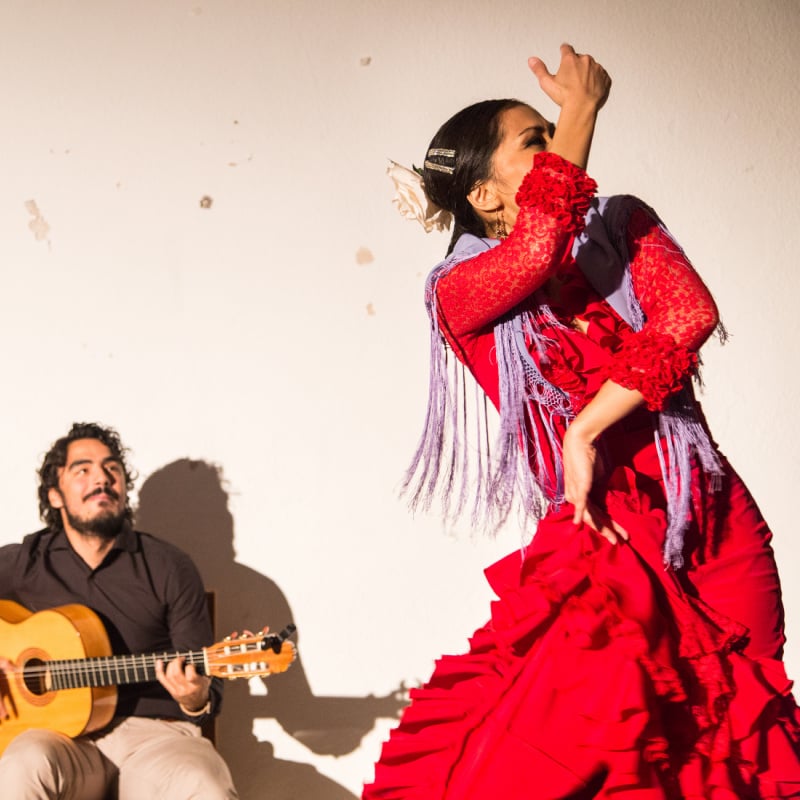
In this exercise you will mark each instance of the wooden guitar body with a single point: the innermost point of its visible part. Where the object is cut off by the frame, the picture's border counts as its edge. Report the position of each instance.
(69, 683)
(67, 632)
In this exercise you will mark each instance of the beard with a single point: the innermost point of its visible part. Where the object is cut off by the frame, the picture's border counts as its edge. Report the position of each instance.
(105, 525)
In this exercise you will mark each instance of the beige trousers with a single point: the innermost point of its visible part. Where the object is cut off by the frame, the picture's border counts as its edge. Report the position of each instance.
(138, 759)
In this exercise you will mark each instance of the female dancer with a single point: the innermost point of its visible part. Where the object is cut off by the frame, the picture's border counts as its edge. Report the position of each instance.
(635, 646)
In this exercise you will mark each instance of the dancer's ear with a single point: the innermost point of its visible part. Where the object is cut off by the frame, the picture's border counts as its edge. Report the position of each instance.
(484, 198)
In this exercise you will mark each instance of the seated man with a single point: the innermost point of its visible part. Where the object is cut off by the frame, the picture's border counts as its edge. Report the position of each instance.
(150, 598)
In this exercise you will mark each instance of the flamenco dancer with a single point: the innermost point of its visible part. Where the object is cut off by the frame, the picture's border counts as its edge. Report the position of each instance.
(634, 649)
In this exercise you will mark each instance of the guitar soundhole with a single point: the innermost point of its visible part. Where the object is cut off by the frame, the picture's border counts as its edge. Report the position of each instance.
(34, 676)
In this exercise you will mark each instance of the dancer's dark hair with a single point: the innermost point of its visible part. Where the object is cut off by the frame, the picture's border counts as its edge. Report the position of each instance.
(473, 134)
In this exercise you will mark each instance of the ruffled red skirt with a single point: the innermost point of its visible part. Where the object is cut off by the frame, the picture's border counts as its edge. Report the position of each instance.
(599, 675)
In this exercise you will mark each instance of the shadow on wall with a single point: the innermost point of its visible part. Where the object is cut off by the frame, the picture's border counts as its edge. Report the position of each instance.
(186, 504)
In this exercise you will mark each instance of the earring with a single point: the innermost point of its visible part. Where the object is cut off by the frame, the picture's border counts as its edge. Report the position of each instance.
(500, 231)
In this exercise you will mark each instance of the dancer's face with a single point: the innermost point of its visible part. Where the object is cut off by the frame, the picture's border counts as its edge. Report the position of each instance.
(523, 133)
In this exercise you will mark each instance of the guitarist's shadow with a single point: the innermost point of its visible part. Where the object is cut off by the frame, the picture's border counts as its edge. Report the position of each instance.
(185, 503)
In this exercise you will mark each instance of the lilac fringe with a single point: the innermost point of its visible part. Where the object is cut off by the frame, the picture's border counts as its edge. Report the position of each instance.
(446, 429)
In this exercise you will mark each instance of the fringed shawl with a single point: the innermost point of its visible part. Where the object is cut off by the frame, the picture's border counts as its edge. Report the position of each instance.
(518, 472)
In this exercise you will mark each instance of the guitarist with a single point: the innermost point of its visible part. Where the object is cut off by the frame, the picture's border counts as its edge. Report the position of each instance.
(151, 599)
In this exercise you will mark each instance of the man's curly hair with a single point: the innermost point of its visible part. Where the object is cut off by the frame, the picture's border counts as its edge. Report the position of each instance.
(57, 457)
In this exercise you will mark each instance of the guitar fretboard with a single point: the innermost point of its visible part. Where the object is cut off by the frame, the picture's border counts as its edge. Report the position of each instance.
(251, 655)
(106, 670)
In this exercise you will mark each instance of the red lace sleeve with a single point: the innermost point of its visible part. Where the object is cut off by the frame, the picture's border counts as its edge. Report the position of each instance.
(553, 199)
(679, 311)
(652, 363)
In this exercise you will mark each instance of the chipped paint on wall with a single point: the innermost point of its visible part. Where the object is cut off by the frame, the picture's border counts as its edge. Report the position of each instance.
(364, 256)
(236, 163)
(38, 225)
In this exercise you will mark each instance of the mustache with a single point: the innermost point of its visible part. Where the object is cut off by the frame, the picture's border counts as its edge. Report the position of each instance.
(103, 490)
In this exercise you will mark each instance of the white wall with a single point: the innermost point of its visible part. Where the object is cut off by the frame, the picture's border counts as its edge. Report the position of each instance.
(250, 335)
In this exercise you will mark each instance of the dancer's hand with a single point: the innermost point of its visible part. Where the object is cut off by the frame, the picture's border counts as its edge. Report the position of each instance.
(579, 81)
(611, 404)
(600, 521)
(580, 465)
(580, 88)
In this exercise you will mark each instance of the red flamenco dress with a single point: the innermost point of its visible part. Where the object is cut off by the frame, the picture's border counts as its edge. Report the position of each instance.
(603, 673)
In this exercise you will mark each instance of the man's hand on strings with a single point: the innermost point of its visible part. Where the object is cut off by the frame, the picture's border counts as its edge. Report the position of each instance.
(5, 667)
(184, 683)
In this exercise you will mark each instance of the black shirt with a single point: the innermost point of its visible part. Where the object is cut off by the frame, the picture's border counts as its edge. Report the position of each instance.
(147, 592)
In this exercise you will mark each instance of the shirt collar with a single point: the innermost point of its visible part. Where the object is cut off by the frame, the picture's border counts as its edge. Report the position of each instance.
(126, 540)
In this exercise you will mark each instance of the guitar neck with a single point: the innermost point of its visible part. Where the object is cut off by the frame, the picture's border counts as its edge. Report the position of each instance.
(111, 670)
(235, 657)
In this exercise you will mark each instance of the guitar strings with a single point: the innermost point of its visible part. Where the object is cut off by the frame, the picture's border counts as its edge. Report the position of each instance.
(88, 668)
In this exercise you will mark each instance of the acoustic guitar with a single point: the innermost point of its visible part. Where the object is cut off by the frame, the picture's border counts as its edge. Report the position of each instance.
(67, 680)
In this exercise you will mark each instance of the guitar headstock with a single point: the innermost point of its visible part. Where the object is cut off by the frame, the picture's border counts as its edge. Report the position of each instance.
(250, 656)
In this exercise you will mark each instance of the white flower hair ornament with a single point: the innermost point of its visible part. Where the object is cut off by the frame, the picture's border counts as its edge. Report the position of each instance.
(412, 202)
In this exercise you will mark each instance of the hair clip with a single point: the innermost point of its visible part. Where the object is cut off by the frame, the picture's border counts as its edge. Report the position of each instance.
(439, 167)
